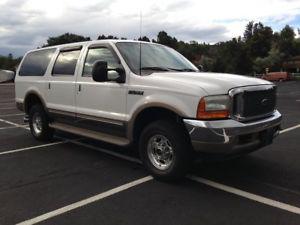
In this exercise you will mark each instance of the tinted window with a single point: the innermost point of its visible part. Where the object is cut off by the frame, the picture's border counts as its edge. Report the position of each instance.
(36, 63)
(103, 54)
(66, 63)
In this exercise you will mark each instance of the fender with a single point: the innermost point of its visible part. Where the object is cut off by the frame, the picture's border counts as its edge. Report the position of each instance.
(131, 122)
(36, 93)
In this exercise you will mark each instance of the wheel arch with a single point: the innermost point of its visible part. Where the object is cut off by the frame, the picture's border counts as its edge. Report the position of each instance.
(149, 113)
(31, 98)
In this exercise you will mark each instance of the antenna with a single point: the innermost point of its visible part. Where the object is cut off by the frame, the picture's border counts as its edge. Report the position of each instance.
(140, 41)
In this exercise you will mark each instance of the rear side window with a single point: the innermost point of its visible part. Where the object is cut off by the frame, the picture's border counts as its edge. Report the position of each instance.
(66, 63)
(36, 63)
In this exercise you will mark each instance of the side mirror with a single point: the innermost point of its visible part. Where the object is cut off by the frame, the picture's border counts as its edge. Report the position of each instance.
(200, 68)
(121, 75)
(99, 71)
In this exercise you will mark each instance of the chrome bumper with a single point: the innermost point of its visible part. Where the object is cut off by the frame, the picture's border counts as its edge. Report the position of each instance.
(230, 136)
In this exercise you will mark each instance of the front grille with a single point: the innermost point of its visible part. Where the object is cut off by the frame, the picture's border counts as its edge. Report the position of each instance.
(253, 103)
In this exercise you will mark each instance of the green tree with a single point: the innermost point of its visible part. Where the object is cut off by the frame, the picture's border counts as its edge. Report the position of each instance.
(232, 57)
(103, 37)
(286, 42)
(273, 61)
(144, 38)
(9, 62)
(258, 39)
(65, 38)
(164, 39)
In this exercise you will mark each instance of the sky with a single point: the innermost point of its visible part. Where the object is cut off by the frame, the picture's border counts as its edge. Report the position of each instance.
(26, 24)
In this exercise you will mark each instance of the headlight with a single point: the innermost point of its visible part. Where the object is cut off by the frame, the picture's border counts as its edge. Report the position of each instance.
(214, 107)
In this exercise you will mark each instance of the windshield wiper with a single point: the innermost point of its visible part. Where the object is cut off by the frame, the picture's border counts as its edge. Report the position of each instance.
(183, 70)
(156, 68)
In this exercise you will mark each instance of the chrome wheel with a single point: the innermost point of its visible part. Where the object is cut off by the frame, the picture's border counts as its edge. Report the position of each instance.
(160, 152)
(37, 123)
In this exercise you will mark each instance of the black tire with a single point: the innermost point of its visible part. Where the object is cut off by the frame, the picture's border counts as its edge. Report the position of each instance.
(46, 133)
(179, 142)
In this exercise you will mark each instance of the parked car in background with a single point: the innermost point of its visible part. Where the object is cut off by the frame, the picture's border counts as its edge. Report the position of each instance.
(277, 76)
(6, 76)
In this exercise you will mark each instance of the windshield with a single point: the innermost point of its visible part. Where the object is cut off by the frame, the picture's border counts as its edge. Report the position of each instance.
(153, 58)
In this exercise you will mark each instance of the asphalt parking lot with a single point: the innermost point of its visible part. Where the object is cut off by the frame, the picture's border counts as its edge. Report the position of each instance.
(80, 181)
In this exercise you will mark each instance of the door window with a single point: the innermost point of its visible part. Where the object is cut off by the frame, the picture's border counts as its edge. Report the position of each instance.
(66, 63)
(102, 54)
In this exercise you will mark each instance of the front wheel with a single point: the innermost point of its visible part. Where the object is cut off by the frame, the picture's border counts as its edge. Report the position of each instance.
(39, 123)
(165, 150)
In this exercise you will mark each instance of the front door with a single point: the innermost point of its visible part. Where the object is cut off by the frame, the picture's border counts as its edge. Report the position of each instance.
(100, 106)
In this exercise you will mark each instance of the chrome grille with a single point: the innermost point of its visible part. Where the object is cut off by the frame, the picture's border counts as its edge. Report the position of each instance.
(250, 103)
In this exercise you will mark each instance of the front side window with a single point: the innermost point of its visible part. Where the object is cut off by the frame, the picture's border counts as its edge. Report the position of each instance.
(66, 63)
(36, 63)
(99, 54)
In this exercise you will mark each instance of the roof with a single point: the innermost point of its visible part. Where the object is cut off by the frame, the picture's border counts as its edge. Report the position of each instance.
(91, 42)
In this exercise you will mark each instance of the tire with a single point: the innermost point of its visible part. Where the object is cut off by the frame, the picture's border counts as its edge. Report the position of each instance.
(39, 123)
(171, 139)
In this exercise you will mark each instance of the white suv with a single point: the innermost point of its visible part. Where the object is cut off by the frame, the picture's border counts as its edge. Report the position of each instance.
(129, 92)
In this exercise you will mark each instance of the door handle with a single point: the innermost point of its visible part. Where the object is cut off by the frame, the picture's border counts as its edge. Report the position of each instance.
(79, 87)
(49, 85)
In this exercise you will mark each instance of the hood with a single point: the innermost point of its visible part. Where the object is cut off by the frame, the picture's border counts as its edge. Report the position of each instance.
(211, 83)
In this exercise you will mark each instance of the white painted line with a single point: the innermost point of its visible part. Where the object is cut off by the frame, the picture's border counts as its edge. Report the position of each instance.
(8, 101)
(4, 128)
(7, 84)
(8, 115)
(14, 124)
(289, 129)
(213, 184)
(86, 201)
(248, 195)
(33, 147)
(128, 158)
(8, 108)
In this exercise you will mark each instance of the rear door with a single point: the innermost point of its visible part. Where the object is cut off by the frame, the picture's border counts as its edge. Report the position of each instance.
(61, 85)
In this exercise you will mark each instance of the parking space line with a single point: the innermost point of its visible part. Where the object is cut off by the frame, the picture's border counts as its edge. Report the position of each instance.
(20, 126)
(210, 183)
(8, 101)
(14, 124)
(86, 201)
(245, 194)
(7, 84)
(8, 108)
(289, 129)
(33, 147)
(16, 114)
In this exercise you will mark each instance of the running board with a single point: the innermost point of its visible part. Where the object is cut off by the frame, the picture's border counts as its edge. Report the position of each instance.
(90, 134)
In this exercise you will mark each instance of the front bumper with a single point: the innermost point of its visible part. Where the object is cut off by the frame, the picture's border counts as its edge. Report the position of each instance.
(231, 136)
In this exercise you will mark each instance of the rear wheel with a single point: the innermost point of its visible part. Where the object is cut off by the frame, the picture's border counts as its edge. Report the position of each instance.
(39, 123)
(165, 150)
